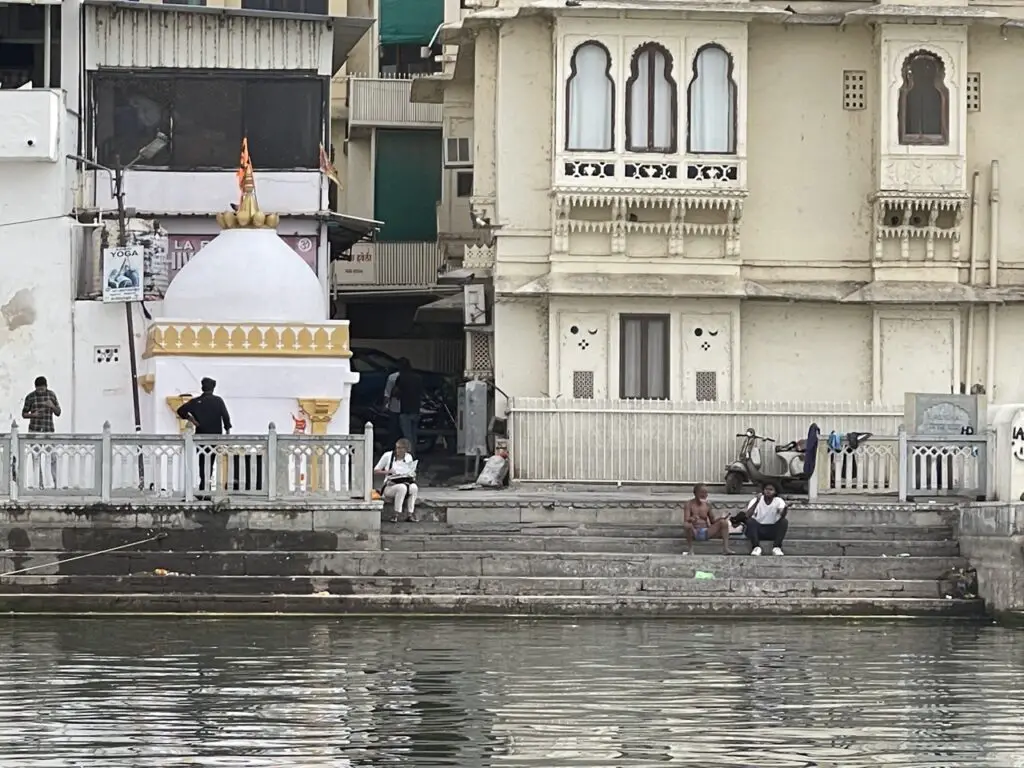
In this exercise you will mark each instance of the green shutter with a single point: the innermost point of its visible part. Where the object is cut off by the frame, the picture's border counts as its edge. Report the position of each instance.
(409, 21)
(407, 185)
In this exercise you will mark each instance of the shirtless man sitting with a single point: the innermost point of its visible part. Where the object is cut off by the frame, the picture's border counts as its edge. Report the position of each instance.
(700, 524)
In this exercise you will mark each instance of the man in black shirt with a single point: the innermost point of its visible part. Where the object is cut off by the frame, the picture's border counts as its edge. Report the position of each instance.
(410, 395)
(208, 414)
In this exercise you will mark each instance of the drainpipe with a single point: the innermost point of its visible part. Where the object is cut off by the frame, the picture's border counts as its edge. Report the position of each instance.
(993, 279)
(972, 277)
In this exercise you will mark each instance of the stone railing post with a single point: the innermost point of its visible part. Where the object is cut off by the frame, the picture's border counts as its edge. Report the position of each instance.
(903, 454)
(187, 457)
(15, 460)
(106, 459)
(368, 462)
(271, 469)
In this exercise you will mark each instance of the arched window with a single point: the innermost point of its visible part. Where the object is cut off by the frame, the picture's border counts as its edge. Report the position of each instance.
(924, 100)
(711, 119)
(651, 101)
(590, 100)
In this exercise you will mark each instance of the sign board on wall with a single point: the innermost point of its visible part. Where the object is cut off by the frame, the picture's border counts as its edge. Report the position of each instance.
(123, 270)
(181, 248)
(138, 232)
(357, 267)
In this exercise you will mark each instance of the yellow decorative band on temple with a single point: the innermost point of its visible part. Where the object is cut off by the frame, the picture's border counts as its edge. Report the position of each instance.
(247, 340)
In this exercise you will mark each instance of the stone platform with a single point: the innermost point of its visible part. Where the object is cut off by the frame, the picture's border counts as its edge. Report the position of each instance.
(553, 552)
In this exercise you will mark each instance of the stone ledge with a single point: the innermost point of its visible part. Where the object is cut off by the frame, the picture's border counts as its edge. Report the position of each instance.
(476, 605)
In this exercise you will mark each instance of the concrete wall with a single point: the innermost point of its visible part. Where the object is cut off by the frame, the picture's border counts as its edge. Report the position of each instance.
(992, 539)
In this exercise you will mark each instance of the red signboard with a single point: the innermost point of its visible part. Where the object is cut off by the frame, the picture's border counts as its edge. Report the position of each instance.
(181, 248)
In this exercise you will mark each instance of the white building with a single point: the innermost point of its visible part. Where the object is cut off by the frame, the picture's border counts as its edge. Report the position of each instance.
(118, 75)
(729, 202)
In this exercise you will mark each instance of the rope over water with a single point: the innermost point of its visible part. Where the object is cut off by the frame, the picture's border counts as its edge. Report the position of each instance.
(156, 537)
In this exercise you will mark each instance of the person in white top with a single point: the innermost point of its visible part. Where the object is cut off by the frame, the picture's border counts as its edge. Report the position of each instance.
(399, 481)
(766, 520)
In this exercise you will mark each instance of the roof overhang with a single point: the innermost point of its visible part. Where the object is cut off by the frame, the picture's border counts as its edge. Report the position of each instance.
(348, 31)
(670, 286)
(690, 10)
(446, 310)
(429, 89)
(946, 14)
(344, 231)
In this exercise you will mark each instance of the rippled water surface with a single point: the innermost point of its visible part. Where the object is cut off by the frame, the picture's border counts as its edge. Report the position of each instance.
(255, 692)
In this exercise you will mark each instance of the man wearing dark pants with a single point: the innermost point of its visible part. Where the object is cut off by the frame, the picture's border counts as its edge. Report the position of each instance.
(209, 415)
(766, 520)
(410, 396)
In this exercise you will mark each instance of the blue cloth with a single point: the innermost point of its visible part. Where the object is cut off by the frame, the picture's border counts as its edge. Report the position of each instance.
(834, 442)
(700, 534)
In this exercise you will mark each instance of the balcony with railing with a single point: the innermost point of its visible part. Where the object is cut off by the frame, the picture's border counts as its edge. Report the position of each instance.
(406, 265)
(384, 102)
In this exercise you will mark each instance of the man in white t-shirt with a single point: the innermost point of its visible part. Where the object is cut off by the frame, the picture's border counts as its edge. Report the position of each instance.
(766, 520)
(399, 471)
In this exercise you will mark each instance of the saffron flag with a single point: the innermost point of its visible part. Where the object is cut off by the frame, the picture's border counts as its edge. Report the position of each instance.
(327, 167)
(244, 164)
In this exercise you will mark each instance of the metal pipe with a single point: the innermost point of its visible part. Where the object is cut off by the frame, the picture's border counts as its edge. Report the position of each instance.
(971, 278)
(993, 237)
(47, 47)
(990, 367)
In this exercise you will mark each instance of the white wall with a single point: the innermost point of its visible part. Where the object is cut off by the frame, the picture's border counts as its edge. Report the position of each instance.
(257, 391)
(35, 284)
(282, 192)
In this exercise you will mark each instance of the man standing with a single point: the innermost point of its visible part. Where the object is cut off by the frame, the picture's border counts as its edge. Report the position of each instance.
(209, 415)
(700, 524)
(766, 520)
(41, 405)
(410, 396)
(392, 403)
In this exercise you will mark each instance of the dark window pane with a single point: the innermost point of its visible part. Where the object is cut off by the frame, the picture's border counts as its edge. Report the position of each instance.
(284, 122)
(464, 184)
(129, 114)
(207, 122)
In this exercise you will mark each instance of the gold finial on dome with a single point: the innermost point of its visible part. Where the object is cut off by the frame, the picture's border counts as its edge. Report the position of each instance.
(248, 215)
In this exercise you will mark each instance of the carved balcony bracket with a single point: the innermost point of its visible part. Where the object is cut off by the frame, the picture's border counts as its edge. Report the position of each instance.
(918, 229)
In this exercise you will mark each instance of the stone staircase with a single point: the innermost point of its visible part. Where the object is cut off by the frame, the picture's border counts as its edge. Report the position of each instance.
(544, 559)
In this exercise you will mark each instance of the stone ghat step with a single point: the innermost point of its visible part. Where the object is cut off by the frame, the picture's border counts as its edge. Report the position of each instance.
(599, 606)
(797, 530)
(412, 542)
(652, 513)
(252, 540)
(360, 563)
(473, 585)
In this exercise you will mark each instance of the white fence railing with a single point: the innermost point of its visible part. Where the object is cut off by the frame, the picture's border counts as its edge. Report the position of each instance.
(660, 441)
(910, 466)
(112, 467)
(663, 442)
(384, 102)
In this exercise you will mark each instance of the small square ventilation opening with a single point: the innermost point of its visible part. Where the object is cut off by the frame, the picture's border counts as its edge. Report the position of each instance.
(854, 93)
(974, 91)
(107, 354)
(583, 385)
(707, 386)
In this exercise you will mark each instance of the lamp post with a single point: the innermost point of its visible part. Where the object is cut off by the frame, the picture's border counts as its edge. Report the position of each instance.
(148, 152)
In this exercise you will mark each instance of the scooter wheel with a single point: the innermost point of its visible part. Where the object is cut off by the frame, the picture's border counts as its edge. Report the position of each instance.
(734, 483)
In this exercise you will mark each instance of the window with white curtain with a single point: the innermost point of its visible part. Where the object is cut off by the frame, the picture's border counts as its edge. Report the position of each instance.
(643, 356)
(590, 100)
(711, 119)
(651, 101)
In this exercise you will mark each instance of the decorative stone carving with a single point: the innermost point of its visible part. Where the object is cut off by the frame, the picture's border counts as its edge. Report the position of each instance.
(934, 221)
(923, 174)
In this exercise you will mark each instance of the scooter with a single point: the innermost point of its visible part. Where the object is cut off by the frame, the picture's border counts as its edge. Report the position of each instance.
(760, 461)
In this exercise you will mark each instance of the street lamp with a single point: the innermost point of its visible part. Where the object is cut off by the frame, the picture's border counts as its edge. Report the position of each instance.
(148, 152)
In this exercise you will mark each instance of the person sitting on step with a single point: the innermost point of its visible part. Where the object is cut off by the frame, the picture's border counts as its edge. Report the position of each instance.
(399, 470)
(699, 521)
(765, 520)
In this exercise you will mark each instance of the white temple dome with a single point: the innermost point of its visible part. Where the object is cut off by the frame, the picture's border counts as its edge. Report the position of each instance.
(246, 275)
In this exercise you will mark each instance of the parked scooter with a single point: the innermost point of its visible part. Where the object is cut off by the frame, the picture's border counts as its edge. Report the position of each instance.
(760, 461)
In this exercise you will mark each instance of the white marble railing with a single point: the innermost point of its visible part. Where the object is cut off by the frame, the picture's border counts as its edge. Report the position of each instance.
(110, 467)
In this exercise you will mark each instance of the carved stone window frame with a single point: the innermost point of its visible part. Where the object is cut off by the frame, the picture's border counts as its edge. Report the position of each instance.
(906, 138)
(571, 75)
(734, 98)
(648, 144)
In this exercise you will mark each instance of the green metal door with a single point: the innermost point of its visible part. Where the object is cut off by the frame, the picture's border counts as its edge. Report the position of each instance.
(407, 185)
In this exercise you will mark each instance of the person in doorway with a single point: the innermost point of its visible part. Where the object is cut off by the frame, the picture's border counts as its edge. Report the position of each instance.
(765, 520)
(399, 470)
(410, 396)
(209, 416)
(700, 524)
(392, 403)
(41, 406)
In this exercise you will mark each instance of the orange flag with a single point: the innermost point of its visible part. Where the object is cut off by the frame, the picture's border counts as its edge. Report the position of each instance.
(244, 164)
(327, 167)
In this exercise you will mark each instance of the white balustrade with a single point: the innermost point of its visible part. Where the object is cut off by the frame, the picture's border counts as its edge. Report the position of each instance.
(122, 468)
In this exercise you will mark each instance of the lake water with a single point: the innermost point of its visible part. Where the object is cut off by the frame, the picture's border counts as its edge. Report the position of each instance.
(419, 692)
